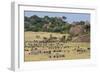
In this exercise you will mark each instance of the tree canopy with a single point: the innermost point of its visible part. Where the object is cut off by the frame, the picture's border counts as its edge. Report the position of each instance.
(50, 24)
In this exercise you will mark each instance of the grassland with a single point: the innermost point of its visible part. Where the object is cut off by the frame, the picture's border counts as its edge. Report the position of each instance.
(68, 50)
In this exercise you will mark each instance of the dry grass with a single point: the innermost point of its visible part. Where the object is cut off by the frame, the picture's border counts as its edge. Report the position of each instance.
(30, 36)
(70, 53)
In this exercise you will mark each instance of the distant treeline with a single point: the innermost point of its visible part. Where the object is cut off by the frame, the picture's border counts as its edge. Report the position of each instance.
(51, 24)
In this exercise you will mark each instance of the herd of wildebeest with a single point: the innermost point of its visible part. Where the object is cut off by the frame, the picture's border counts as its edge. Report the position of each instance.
(53, 47)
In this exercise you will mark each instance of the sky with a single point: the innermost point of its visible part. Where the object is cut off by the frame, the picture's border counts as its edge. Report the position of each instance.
(71, 17)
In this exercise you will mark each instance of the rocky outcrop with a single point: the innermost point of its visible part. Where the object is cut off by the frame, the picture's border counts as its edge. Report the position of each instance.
(81, 38)
(76, 30)
(77, 33)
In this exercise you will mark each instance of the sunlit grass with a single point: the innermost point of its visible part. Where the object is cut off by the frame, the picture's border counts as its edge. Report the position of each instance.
(30, 36)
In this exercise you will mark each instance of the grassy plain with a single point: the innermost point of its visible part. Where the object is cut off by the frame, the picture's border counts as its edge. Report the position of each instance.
(70, 52)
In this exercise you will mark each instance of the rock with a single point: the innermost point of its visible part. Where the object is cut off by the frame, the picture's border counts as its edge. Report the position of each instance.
(81, 38)
(76, 30)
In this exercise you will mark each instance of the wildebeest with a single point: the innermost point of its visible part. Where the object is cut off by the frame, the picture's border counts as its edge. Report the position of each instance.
(34, 51)
(88, 48)
(81, 50)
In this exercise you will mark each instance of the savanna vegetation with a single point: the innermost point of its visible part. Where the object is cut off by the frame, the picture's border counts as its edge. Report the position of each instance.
(52, 24)
(53, 38)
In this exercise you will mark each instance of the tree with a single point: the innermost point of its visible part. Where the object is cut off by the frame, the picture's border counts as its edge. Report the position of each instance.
(48, 24)
(81, 22)
(78, 23)
(87, 28)
(63, 17)
(27, 26)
